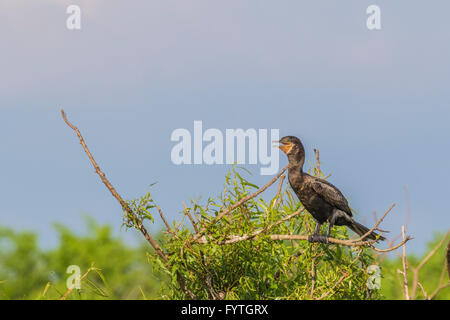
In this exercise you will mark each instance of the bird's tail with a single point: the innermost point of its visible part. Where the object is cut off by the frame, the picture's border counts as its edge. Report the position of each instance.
(362, 230)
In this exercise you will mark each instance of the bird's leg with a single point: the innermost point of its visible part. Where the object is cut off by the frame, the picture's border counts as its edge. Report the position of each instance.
(316, 237)
(331, 224)
(317, 230)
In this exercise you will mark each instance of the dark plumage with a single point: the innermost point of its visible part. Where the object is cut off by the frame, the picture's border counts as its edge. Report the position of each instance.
(322, 199)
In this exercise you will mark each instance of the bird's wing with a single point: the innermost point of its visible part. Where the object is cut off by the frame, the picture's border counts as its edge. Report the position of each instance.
(331, 194)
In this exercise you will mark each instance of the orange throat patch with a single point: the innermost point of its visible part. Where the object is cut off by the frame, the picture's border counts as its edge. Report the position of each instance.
(286, 148)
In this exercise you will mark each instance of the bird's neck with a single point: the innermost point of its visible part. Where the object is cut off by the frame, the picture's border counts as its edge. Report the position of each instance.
(296, 162)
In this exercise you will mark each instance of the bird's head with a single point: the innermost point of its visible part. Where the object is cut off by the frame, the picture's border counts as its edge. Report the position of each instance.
(290, 145)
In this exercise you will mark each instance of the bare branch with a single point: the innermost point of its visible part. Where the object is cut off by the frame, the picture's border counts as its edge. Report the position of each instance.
(316, 153)
(417, 269)
(164, 220)
(392, 248)
(113, 191)
(405, 275)
(377, 224)
(280, 185)
(350, 243)
(438, 289)
(126, 208)
(313, 276)
(423, 291)
(432, 252)
(190, 218)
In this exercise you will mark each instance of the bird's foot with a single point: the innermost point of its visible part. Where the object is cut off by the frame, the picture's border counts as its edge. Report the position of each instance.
(317, 238)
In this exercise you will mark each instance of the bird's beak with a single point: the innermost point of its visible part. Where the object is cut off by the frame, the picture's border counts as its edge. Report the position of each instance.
(285, 147)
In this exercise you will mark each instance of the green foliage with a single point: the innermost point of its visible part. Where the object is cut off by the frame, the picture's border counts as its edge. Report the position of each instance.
(141, 209)
(116, 271)
(260, 268)
(257, 268)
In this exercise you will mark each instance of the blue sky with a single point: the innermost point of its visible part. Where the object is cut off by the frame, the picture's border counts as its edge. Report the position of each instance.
(376, 103)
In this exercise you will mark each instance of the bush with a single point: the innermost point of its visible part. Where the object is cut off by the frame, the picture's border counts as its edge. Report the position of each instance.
(259, 267)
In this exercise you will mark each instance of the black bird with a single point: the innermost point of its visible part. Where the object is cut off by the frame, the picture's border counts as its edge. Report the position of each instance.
(322, 199)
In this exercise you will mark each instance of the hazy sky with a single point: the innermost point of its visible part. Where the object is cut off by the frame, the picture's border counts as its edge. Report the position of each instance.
(376, 103)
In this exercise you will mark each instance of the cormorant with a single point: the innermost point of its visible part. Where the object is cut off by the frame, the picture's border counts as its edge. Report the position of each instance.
(322, 199)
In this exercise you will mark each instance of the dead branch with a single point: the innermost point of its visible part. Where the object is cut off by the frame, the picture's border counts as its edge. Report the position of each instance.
(190, 218)
(405, 274)
(438, 289)
(277, 197)
(351, 242)
(416, 270)
(165, 221)
(423, 290)
(116, 195)
(316, 153)
(377, 224)
(313, 276)
(126, 208)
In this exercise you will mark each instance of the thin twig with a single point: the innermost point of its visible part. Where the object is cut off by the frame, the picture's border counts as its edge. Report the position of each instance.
(392, 248)
(417, 269)
(165, 221)
(357, 257)
(277, 197)
(350, 243)
(326, 294)
(432, 252)
(423, 291)
(405, 274)
(438, 289)
(181, 222)
(316, 152)
(190, 218)
(313, 276)
(377, 224)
